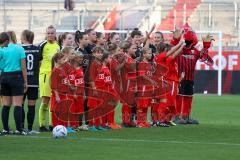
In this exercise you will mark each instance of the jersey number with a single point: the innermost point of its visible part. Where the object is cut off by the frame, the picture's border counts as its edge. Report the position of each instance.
(30, 60)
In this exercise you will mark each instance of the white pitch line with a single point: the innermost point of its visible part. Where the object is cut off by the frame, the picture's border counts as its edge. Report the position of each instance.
(137, 140)
(159, 141)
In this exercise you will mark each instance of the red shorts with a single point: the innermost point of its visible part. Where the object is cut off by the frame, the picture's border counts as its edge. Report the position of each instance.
(162, 89)
(95, 100)
(171, 95)
(144, 96)
(79, 90)
(143, 102)
(54, 102)
(77, 104)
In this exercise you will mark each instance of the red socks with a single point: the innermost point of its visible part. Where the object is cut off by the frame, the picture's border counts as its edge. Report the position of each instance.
(74, 124)
(179, 105)
(98, 122)
(142, 114)
(162, 112)
(184, 106)
(154, 113)
(187, 106)
(126, 114)
(94, 122)
(56, 121)
(110, 117)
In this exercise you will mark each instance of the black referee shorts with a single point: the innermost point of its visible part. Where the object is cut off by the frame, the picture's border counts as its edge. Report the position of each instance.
(12, 84)
(32, 93)
(186, 88)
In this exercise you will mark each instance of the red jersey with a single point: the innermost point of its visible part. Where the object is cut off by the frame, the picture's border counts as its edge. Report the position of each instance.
(144, 86)
(116, 75)
(77, 80)
(68, 68)
(147, 69)
(95, 74)
(171, 63)
(79, 77)
(128, 78)
(101, 76)
(187, 63)
(108, 85)
(107, 76)
(172, 73)
(71, 78)
(161, 58)
(76, 77)
(59, 80)
(129, 74)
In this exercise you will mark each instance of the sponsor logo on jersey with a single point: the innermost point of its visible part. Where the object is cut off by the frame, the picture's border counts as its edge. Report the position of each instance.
(188, 56)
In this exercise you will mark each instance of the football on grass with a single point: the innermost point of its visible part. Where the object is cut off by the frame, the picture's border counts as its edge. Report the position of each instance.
(59, 131)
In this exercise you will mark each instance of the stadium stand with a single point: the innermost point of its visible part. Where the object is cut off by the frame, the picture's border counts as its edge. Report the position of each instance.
(207, 15)
(167, 23)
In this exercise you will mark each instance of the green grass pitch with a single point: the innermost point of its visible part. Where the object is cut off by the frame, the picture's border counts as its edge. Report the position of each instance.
(216, 138)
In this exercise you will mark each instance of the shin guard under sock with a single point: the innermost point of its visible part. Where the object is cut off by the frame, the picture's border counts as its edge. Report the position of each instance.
(18, 117)
(110, 117)
(187, 106)
(162, 112)
(154, 112)
(5, 117)
(43, 114)
(126, 114)
(179, 105)
(23, 116)
(30, 116)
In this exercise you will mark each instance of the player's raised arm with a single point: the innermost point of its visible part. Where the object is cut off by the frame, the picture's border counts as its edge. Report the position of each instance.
(176, 48)
(177, 34)
(207, 41)
(147, 38)
(179, 50)
(204, 56)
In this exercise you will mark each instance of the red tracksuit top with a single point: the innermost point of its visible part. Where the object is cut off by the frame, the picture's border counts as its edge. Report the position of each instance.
(171, 63)
(59, 80)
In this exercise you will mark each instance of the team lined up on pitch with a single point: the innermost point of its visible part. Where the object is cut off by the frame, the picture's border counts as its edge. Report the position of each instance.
(82, 81)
